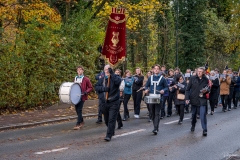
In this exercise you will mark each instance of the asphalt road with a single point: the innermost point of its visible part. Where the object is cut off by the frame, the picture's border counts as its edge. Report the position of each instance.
(134, 141)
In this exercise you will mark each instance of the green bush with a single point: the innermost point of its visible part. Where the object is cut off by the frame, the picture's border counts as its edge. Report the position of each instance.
(32, 69)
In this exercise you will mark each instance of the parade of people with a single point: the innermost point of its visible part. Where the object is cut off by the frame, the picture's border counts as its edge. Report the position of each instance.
(120, 79)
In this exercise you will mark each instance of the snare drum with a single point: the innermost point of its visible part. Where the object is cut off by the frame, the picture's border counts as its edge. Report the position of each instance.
(152, 99)
(70, 93)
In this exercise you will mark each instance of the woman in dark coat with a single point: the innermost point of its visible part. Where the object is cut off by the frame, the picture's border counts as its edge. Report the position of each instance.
(180, 87)
(214, 92)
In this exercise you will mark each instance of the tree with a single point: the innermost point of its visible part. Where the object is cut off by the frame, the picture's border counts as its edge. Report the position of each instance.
(191, 34)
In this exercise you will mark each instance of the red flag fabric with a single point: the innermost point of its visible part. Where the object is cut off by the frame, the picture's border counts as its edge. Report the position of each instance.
(114, 48)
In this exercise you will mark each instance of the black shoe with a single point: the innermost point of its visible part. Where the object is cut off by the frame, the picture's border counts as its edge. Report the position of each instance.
(198, 116)
(192, 128)
(211, 112)
(161, 117)
(224, 110)
(235, 107)
(229, 109)
(120, 126)
(204, 133)
(155, 132)
(99, 121)
(149, 120)
(179, 122)
(107, 139)
(168, 115)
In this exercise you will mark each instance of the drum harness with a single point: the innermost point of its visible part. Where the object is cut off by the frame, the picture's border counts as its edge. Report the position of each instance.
(155, 83)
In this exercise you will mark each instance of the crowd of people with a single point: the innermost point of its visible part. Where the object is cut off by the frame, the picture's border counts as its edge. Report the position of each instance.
(187, 92)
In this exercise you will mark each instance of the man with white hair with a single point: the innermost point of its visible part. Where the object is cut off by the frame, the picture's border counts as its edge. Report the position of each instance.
(195, 94)
(108, 88)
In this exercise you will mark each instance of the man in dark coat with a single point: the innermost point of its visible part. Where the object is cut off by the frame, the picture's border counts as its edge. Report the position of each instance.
(110, 104)
(198, 85)
(99, 121)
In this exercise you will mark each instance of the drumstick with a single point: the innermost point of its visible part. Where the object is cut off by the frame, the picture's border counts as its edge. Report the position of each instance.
(140, 89)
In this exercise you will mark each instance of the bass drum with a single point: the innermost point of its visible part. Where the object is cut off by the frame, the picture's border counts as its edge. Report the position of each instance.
(70, 93)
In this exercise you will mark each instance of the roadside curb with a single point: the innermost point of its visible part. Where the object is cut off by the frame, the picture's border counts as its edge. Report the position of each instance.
(52, 120)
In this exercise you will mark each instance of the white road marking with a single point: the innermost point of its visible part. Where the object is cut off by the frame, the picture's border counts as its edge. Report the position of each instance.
(175, 121)
(128, 133)
(53, 150)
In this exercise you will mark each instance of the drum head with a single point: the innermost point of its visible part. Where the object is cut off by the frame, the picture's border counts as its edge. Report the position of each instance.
(75, 94)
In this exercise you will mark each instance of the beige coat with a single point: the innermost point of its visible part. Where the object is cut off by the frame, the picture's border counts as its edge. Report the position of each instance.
(225, 86)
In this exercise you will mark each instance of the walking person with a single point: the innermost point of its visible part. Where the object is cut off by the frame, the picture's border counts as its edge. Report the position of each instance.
(170, 81)
(231, 89)
(165, 98)
(225, 82)
(137, 96)
(156, 86)
(86, 87)
(236, 94)
(195, 94)
(121, 89)
(108, 87)
(99, 121)
(213, 96)
(128, 81)
(149, 73)
(179, 100)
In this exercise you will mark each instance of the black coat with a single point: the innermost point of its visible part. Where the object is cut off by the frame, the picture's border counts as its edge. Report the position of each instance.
(182, 91)
(193, 89)
(138, 82)
(114, 92)
(214, 92)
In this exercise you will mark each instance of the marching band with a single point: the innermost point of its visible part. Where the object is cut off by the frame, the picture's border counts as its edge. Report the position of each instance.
(159, 88)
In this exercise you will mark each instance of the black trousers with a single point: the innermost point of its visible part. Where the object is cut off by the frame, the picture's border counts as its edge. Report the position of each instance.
(230, 97)
(163, 113)
(137, 99)
(156, 114)
(180, 109)
(99, 110)
(236, 97)
(125, 103)
(170, 101)
(119, 118)
(78, 109)
(110, 113)
(224, 99)
(213, 99)
(149, 111)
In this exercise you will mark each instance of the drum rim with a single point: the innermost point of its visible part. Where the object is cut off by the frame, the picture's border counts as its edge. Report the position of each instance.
(70, 101)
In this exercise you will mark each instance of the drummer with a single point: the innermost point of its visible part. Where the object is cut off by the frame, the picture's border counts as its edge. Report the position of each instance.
(156, 86)
(86, 87)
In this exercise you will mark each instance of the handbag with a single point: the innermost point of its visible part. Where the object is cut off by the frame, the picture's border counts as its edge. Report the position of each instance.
(180, 96)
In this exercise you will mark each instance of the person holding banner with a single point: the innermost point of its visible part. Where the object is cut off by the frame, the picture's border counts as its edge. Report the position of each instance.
(156, 86)
(86, 87)
(108, 87)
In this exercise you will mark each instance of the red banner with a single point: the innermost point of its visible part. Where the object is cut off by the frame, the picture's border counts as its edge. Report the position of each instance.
(114, 48)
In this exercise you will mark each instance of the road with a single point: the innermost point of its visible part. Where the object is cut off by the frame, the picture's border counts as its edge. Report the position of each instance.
(134, 141)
